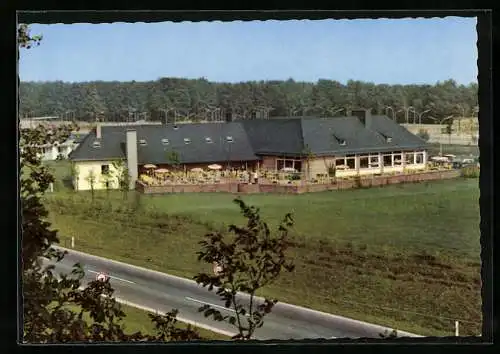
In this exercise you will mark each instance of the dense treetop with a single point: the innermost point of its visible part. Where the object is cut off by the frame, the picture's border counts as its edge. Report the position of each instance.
(200, 99)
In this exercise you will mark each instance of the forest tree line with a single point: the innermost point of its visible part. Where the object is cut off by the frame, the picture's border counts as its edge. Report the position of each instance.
(199, 99)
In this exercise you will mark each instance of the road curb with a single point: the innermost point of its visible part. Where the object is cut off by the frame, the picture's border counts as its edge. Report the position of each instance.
(293, 311)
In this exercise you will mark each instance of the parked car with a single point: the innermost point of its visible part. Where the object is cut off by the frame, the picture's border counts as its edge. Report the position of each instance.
(439, 159)
(450, 157)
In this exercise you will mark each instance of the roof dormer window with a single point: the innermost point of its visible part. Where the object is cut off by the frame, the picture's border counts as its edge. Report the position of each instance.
(208, 140)
(96, 144)
(388, 139)
(187, 141)
(143, 142)
(340, 141)
(229, 139)
(165, 141)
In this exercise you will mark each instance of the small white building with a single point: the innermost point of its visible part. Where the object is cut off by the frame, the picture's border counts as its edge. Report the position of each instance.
(52, 152)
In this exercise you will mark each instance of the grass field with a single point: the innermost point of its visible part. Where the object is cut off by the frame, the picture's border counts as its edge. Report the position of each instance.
(138, 321)
(404, 256)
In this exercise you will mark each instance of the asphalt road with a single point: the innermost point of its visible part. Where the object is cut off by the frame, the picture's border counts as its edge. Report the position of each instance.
(159, 291)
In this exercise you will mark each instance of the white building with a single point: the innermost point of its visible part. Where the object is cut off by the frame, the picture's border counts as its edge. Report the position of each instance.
(61, 150)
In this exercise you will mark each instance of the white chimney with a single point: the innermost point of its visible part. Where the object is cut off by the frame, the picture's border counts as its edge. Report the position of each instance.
(98, 131)
(132, 157)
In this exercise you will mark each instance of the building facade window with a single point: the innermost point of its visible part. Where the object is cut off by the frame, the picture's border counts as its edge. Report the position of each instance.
(410, 158)
(288, 163)
(340, 161)
(387, 160)
(398, 159)
(374, 161)
(368, 161)
(351, 161)
(419, 157)
(104, 169)
(364, 162)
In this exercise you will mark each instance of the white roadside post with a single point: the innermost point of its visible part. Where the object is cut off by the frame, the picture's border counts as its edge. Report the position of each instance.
(72, 242)
(456, 329)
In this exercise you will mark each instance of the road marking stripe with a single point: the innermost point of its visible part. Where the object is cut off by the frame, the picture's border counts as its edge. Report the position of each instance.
(178, 318)
(208, 303)
(112, 277)
(181, 319)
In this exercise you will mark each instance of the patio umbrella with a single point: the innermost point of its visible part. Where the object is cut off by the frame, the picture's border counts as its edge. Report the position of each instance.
(197, 169)
(161, 170)
(149, 166)
(215, 167)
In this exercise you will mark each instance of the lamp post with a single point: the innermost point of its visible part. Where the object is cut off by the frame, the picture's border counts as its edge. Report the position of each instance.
(412, 110)
(69, 115)
(389, 108)
(143, 114)
(165, 111)
(421, 114)
(440, 122)
(334, 110)
(292, 111)
(406, 110)
(208, 110)
(463, 110)
(305, 110)
(208, 113)
(133, 113)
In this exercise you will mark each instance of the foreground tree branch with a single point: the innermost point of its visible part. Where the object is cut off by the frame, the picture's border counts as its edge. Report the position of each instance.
(251, 258)
(49, 300)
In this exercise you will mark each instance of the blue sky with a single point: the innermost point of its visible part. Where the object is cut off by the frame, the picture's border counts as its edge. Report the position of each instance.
(381, 51)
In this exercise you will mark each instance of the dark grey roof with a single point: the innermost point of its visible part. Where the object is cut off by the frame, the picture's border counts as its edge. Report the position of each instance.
(323, 135)
(281, 136)
(109, 149)
(290, 136)
(155, 151)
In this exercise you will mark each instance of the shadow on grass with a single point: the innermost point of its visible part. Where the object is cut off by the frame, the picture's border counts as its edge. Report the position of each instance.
(67, 182)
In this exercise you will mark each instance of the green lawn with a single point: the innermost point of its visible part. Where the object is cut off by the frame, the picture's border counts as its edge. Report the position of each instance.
(396, 255)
